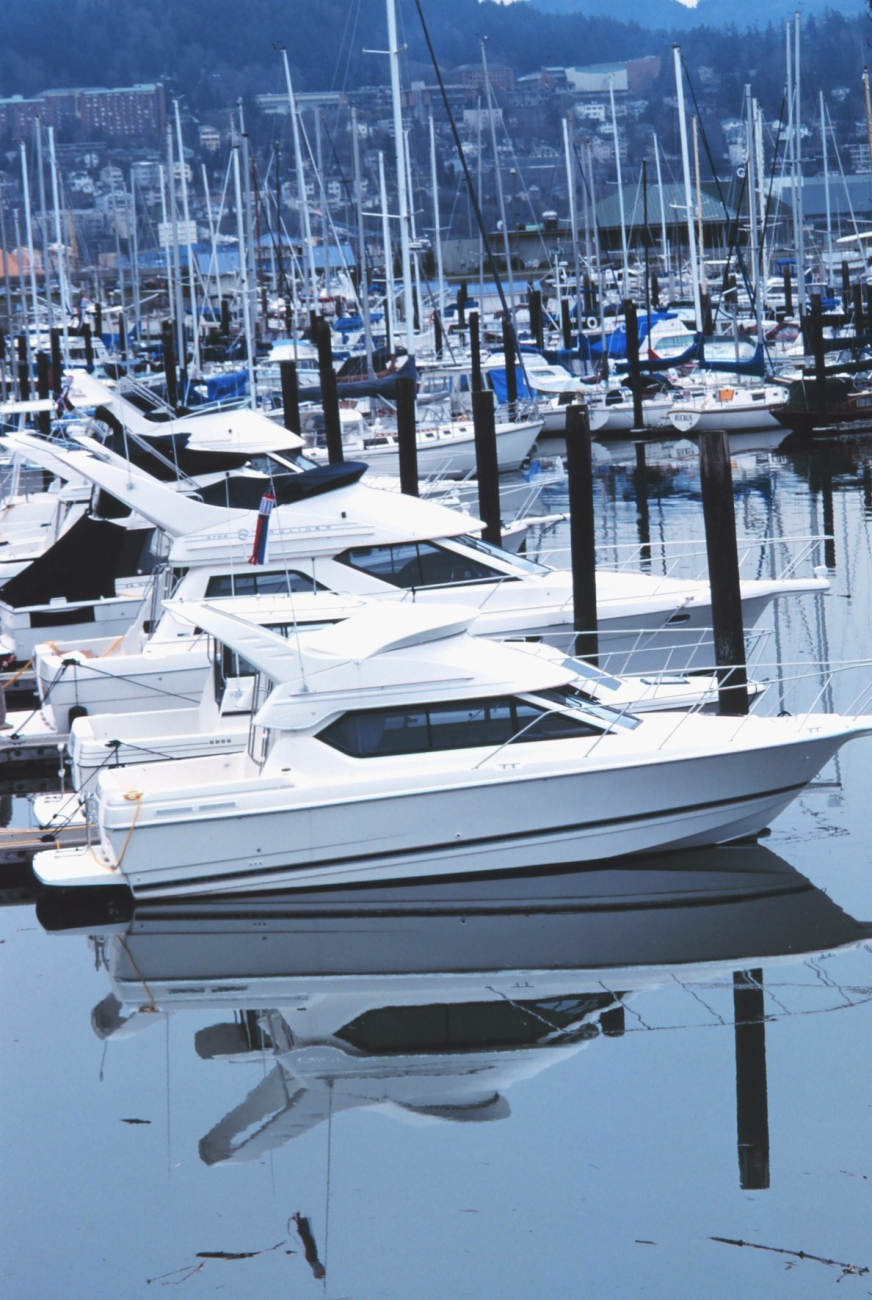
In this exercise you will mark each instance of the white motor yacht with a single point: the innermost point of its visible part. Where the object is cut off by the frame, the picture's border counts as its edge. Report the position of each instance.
(350, 543)
(396, 746)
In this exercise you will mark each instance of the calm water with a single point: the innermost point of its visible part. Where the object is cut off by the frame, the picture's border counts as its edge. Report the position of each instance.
(568, 1087)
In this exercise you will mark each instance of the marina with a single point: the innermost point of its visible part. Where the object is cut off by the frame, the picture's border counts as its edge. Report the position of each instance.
(435, 670)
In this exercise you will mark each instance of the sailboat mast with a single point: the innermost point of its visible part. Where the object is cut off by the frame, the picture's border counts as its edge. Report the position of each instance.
(362, 275)
(399, 143)
(688, 200)
(28, 231)
(308, 252)
(192, 286)
(390, 287)
(797, 123)
(437, 233)
(625, 273)
(491, 112)
(827, 193)
(62, 275)
(243, 270)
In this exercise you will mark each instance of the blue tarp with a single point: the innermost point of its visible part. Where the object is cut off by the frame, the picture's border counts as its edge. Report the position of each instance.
(616, 342)
(220, 388)
(498, 382)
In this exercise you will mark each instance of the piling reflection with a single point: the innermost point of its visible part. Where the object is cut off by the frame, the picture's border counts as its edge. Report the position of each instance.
(432, 1001)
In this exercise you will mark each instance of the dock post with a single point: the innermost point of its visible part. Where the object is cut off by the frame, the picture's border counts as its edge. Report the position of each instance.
(89, 346)
(857, 295)
(565, 323)
(323, 338)
(788, 292)
(752, 1103)
(816, 328)
(437, 334)
(407, 436)
(43, 418)
(846, 290)
(23, 370)
(487, 466)
(168, 347)
(509, 359)
(290, 395)
(582, 534)
(475, 352)
(462, 300)
(537, 325)
(869, 306)
(631, 327)
(723, 564)
(57, 365)
(98, 319)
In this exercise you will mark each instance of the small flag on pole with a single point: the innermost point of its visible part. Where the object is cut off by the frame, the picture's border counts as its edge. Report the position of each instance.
(258, 550)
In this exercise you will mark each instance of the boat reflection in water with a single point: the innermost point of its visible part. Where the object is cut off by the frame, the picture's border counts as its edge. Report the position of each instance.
(433, 1000)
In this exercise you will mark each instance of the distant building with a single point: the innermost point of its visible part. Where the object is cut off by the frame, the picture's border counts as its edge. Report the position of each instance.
(126, 111)
(597, 79)
(210, 138)
(471, 77)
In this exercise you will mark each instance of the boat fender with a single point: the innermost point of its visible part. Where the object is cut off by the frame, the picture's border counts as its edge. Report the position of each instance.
(591, 323)
(77, 711)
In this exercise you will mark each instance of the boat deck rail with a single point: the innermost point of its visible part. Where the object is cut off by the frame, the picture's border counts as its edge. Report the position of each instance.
(673, 557)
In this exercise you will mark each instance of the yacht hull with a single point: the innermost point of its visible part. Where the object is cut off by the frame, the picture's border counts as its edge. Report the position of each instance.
(267, 833)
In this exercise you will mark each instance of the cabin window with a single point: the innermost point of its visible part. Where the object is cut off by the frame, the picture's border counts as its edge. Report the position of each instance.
(460, 724)
(276, 583)
(418, 564)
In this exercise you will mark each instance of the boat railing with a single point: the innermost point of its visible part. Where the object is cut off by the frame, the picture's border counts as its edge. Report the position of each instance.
(619, 557)
(671, 657)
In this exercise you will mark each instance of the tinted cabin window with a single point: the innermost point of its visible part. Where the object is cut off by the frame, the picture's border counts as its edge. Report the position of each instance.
(417, 564)
(261, 584)
(464, 724)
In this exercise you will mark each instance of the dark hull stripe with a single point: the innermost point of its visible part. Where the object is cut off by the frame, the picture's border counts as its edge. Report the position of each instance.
(449, 848)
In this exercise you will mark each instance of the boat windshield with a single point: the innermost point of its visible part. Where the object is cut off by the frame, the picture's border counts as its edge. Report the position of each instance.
(422, 564)
(568, 697)
(497, 553)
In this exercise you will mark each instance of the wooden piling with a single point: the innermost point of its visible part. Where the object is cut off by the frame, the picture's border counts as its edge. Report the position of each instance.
(582, 533)
(565, 323)
(98, 319)
(57, 365)
(846, 289)
(537, 324)
(407, 435)
(509, 360)
(168, 348)
(816, 330)
(323, 338)
(788, 292)
(23, 370)
(631, 327)
(752, 1102)
(437, 334)
(723, 563)
(857, 298)
(89, 345)
(43, 418)
(462, 300)
(475, 352)
(290, 396)
(487, 466)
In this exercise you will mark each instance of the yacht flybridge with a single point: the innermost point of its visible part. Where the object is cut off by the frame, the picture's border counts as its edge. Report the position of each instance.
(396, 746)
(334, 538)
